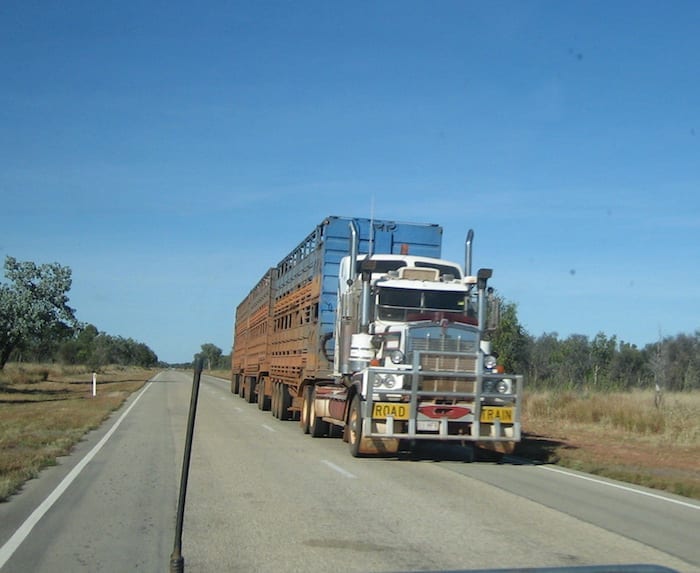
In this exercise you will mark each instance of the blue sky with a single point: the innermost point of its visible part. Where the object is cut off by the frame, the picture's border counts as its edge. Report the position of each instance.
(170, 152)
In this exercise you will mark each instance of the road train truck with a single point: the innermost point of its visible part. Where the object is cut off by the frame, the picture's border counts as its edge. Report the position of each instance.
(363, 331)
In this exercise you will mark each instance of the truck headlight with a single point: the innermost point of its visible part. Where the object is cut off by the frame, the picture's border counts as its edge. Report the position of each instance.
(396, 356)
(490, 362)
(505, 386)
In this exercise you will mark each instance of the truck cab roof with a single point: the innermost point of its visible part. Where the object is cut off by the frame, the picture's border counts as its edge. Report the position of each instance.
(383, 264)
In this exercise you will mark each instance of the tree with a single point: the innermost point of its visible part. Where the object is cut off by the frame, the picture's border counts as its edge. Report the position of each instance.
(659, 363)
(602, 354)
(629, 368)
(681, 370)
(211, 355)
(510, 340)
(32, 304)
(576, 362)
(545, 358)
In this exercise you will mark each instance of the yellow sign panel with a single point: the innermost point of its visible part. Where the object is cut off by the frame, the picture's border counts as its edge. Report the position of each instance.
(490, 413)
(397, 410)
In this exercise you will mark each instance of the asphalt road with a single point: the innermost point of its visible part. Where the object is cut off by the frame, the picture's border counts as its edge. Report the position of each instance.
(263, 497)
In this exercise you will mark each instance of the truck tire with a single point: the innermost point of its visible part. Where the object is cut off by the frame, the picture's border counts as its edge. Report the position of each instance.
(317, 427)
(305, 406)
(354, 427)
(275, 399)
(285, 402)
(250, 390)
(263, 401)
(235, 383)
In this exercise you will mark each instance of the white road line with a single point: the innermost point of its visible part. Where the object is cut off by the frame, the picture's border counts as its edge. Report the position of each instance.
(7, 550)
(340, 470)
(268, 428)
(622, 487)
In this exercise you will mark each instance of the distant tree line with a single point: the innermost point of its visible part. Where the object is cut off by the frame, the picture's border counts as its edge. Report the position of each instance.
(598, 363)
(37, 325)
(89, 346)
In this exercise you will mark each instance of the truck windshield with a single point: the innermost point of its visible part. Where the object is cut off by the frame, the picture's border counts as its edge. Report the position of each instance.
(398, 304)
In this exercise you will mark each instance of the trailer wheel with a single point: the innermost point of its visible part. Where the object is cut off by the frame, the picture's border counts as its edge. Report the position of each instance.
(250, 390)
(235, 383)
(354, 427)
(305, 406)
(275, 399)
(285, 402)
(263, 401)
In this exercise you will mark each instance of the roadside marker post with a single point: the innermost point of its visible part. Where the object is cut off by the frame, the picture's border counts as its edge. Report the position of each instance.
(94, 384)
(177, 561)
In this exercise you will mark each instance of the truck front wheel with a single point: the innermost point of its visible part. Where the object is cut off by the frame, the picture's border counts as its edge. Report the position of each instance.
(354, 428)
(317, 426)
(306, 409)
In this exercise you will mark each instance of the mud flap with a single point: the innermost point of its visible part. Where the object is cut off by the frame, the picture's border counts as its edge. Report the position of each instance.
(379, 446)
(498, 447)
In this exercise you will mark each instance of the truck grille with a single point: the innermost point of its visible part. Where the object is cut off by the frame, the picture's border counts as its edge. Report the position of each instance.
(441, 363)
(451, 349)
(442, 344)
(436, 384)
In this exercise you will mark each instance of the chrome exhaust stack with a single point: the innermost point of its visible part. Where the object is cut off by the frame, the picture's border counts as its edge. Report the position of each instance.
(345, 331)
(468, 253)
(365, 295)
(354, 245)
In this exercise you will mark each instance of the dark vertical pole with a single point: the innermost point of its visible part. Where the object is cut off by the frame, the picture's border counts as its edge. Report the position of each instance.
(177, 562)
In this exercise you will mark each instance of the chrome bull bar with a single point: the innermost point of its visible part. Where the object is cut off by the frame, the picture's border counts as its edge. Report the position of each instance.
(467, 392)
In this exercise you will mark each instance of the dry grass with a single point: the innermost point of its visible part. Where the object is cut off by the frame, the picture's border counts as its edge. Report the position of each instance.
(225, 374)
(45, 410)
(619, 435)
